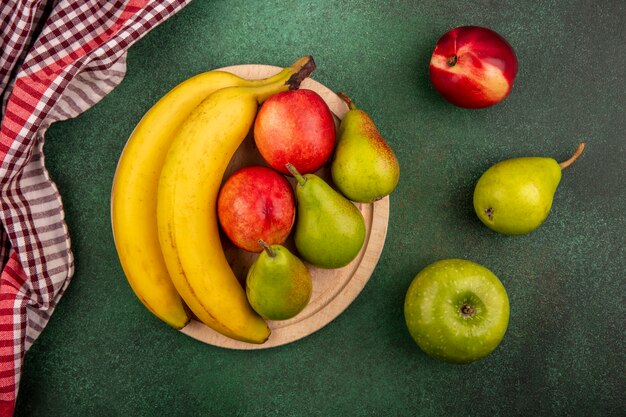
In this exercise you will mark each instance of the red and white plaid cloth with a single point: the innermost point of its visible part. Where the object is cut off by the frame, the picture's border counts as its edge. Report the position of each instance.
(57, 59)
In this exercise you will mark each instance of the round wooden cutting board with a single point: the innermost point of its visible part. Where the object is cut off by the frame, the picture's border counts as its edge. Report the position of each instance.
(333, 289)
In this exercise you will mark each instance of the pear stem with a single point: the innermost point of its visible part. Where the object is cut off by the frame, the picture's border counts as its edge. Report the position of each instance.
(574, 157)
(267, 248)
(347, 99)
(301, 180)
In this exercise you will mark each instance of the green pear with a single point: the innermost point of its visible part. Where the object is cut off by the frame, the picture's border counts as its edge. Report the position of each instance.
(329, 230)
(514, 197)
(278, 284)
(364, 167)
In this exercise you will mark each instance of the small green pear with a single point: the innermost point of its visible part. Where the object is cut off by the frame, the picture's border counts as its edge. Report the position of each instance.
(329, 230)
(514, 197)
(364, 167)
(278, 284)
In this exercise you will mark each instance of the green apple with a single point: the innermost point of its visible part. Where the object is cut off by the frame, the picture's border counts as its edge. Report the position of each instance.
(456, 310)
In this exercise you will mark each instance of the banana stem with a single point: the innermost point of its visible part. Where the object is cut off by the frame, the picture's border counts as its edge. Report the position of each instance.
(287, 79)
(301, 180)
(347, 99)
(302, 68)
(574, 157)
(267, 248)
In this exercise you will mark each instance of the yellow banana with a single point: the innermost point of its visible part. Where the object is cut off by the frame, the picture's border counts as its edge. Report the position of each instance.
(134, 191)
(186, 204)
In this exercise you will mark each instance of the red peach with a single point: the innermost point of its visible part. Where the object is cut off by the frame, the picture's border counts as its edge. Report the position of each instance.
(473, 67)
(296, 127)
(256, 203)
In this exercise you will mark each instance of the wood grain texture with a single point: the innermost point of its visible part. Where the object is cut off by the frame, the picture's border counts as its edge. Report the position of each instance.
(333, 289)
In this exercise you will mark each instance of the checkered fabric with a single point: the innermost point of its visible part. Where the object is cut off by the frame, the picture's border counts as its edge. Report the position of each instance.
(57, 59)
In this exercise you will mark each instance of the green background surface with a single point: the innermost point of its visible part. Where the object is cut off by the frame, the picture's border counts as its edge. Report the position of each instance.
(104, 354)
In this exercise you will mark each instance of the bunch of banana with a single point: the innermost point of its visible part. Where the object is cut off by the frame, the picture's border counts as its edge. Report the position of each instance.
(164, 194)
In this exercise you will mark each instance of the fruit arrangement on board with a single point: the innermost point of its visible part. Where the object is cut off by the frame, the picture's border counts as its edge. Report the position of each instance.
(171, 201)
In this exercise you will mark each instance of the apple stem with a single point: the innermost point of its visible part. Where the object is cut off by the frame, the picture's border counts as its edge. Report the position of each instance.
(467, 310)
(267, 248)
(347, 99)
(452, 60)
(574, 157)
(301, 180)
